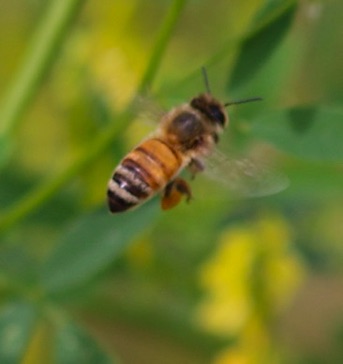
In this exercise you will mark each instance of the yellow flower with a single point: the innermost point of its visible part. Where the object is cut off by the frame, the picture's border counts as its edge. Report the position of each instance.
(114, 77)
(251, 276)
(283, 271)
(253, 347)
(228, 304)
(233, 356)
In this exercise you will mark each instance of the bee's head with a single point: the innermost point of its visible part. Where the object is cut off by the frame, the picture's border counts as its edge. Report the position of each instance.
(211, 108)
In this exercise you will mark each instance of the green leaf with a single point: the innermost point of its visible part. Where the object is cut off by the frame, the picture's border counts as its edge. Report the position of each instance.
(5, 150)
(259, 47)
(17, 264)
(92, 244)
(73, 345)
(271, 9)
(19, 325)
(307, 132)
(17, 321)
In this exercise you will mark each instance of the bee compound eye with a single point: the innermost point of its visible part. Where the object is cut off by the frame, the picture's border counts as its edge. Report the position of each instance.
(217, 114)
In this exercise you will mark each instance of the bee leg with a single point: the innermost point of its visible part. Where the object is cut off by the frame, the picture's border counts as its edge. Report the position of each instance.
(195, 166)
(174, 192)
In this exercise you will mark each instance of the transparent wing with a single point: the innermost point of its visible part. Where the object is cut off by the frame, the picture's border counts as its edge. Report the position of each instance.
(148, 110)
(245, 176)
(146, 121)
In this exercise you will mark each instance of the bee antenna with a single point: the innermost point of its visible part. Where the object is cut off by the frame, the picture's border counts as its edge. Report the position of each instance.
(207, 84)
(243, 101)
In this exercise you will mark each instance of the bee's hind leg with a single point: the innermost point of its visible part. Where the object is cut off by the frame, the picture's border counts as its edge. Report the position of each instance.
(173, 193)
(195, 166)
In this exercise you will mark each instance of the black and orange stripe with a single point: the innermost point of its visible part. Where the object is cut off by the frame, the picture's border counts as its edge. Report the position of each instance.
(144, 171)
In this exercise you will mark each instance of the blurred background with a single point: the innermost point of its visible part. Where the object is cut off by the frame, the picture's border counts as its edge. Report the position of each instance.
(221, 280)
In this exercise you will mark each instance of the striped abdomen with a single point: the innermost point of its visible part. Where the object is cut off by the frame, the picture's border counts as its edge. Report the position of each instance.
(144, 171)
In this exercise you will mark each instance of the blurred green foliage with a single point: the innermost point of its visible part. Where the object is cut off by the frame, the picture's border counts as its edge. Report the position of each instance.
(221, 279)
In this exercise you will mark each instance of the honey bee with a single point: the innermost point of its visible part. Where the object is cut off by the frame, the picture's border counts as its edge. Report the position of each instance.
(186, 135)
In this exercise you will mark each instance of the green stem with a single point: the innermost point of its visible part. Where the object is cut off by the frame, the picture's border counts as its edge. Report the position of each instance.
(48, 189)
(161, 44)
(39, 57)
